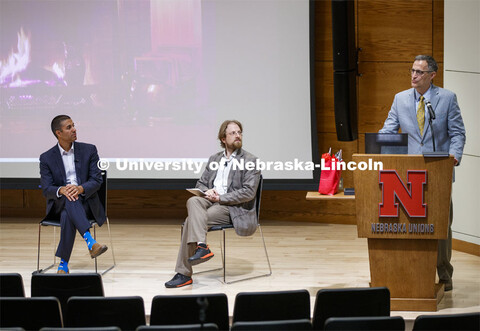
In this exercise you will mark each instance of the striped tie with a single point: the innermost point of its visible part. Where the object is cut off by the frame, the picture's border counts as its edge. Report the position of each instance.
(421, 115)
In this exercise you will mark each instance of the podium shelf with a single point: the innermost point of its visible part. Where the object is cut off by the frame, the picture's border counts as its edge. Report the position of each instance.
(338, 196)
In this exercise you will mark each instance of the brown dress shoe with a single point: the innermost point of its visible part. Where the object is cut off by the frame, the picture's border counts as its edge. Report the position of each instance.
(62, 272)
(97, 250)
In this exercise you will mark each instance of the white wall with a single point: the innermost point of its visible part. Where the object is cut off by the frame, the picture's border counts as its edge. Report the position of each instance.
(462, 76)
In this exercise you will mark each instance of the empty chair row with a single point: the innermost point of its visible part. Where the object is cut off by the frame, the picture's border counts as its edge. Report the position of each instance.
(269, 308)
(258, 306)
(127, 313)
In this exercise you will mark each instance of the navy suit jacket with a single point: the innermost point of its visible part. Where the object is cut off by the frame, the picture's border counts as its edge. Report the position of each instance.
(52, 176)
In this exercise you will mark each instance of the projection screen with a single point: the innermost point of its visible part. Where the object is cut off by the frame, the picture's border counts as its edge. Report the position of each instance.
(150, 82)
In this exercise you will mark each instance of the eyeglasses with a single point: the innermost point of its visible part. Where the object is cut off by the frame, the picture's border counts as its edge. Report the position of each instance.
(234, 133)
(418, 72)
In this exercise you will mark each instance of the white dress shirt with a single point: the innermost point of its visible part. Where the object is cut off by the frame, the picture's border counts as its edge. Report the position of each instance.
(68, 159)
(220, 184)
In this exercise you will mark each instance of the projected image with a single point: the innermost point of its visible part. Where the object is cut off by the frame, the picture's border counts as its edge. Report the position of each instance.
(115, 67)
(153, 79)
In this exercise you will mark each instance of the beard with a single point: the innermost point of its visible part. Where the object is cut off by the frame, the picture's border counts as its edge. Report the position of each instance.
(235, 145)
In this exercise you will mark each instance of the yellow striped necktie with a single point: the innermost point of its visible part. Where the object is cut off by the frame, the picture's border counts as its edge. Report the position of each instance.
(421, 114)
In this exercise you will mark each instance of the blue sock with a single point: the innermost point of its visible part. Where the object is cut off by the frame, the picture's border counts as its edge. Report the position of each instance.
(63, 265)
(89, 239)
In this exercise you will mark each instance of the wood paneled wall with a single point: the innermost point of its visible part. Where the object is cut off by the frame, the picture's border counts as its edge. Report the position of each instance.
(389, 32)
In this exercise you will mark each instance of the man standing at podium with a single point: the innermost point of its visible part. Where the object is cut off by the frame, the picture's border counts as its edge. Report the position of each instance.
(410, 113)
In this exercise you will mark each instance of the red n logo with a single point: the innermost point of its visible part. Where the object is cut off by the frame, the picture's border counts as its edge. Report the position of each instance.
(394, 189)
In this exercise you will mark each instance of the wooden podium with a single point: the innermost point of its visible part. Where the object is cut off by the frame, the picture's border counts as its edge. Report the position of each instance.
(403, 249)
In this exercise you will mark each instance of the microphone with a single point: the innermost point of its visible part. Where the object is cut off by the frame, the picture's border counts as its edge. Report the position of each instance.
(430, 110)
(202, 303)
(226, 163)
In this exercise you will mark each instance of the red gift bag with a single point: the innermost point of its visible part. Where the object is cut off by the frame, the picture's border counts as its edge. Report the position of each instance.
(329, 178)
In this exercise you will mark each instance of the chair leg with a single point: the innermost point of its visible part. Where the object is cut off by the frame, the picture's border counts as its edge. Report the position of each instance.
(111, 249)
(224, 258)
(252, 277)
(209, 270)
(111, 243)
(95, 238)
(266, 253)
(38, 250)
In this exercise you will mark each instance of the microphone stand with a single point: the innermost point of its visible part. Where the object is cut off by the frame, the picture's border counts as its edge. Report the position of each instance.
(202, 303)
(430, 122)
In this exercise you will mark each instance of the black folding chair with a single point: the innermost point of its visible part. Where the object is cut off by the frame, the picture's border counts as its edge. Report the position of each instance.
(189, 309)
(206, 326)
(127, 313)
(350, 302)
(380, 323)
(55, 222)
(65, 286)
(271, 306)
(226, 227)
(301, 324)
(454, 322)
(30, 313)
(11, 285)
(107, 328)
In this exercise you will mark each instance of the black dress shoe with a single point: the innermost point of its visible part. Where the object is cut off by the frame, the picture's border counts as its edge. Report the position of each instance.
(448, 285)
(202, 254)
(178, 280)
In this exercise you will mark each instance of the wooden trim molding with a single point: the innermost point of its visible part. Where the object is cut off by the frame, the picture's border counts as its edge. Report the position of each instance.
(466, 247)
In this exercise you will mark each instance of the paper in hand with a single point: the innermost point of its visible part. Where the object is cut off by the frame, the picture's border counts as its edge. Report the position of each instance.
(196, 191)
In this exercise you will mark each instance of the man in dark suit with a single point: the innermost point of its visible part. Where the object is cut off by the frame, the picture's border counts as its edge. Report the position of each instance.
(70, 180)
(230, 198)
(410, 114)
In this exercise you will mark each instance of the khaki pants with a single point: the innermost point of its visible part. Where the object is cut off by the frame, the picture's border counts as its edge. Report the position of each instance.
(202, 214)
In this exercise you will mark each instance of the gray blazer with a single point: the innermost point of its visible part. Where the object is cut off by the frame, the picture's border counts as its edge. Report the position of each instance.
(240, 196)
(448, 124)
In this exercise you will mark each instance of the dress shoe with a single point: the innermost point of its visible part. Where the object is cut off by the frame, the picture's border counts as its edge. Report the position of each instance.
(62, 272)
(448, 285)
(202, 254)
(97, 250)
(178, 280)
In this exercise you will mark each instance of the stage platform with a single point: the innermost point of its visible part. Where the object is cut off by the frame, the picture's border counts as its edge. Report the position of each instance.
(303, 255)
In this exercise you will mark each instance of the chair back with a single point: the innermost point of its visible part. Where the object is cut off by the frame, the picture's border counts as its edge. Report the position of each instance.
(301, 324)
(206, 326)
(102, 191)
(468, 321)
(11, 285)
(65, 286)
(187, 309)
(380, 323)
(271, 306)
(107, 328)
(127, 313)
(258, 197)
(350, 302)
(30, 313)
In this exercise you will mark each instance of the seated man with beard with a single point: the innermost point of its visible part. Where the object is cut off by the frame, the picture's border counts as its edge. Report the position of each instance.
(230, 198)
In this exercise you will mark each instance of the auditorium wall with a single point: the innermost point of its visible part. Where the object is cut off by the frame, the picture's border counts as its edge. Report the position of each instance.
(389, 34)
(462, 75)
